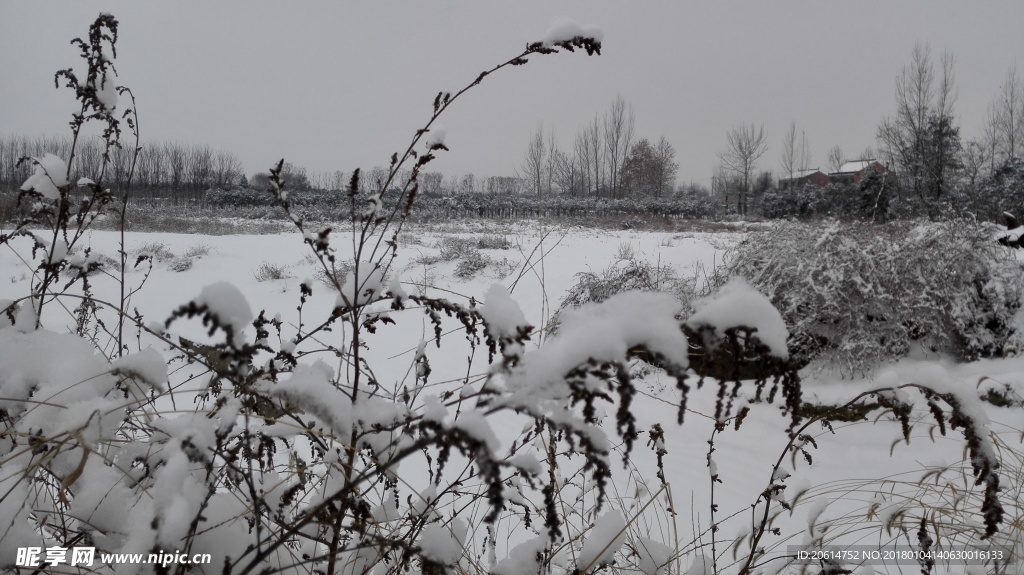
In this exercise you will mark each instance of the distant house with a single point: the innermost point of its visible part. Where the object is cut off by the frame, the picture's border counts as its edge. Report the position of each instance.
(815, 177)
(852, 172)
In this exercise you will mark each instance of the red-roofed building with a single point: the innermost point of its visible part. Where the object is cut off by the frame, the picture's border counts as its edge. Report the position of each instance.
(852, 172)
(801, 177)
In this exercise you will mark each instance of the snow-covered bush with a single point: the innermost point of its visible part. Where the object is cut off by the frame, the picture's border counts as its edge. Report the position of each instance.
(856, 294)
(1002, 191)
(801, 202)
(471, 264)
(628, 274)
(868, 199)
(279, 444)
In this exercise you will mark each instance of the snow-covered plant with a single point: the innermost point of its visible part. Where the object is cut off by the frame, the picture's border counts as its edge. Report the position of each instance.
(922, 509)
(627, 274)
(856, 294)
(53, 203)
(1002, 191)
(294, 444)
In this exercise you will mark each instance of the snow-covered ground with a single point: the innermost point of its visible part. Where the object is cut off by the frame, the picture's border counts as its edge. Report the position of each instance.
(861, 464)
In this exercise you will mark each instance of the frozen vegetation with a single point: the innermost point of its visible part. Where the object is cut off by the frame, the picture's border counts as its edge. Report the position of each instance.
(379, 397)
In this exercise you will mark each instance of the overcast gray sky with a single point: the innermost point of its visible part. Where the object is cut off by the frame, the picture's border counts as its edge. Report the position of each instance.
(339, 85)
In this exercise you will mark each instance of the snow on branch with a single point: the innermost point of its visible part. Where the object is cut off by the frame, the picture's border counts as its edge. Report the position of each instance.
(602, 332)
(565, 29)
(737, 304)
(50, 174)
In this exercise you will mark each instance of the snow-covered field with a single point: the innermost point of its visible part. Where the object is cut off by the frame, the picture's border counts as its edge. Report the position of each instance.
(862, 464)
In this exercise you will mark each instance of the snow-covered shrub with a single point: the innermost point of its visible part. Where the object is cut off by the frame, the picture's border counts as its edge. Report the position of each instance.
(334, 274)
(628, 274)
(466, 251)
(472, 263)
(270, 272)
(494, 242)
(453, 248)
(855, 294)
(182, 264)
(625, 252)
(801, 202)
(157, 251)
(868, 199)
(1002, 191)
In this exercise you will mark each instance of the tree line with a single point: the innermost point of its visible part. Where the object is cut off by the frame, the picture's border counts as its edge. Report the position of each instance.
(931, 169)
(605, 160)
(174, 170)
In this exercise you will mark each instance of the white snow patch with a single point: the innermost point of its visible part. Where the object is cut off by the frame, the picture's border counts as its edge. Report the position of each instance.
(781, 474)
(606, 537)
(817, 508)
(603, 332)
(564, 29)
(148, 365)
(395, 287)
(528, 462)
(439, 545)
(59, 251)
(229, 305)
(738, 304)
(702, 565)
(523, 559)
(51, 173)
(502, 314)
(370, 280)
(311, 389)
(652, 556)
(435, 136)
(475, 425)
(433, 409)
(106, 92)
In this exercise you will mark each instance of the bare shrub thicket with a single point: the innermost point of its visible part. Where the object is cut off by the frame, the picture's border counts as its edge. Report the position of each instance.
(270, 272)
(471, 261)
(631, 273)
(856, 294)
(285, 445)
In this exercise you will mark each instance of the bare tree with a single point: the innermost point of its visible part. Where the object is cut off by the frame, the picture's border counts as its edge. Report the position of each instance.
(468, 184)
(667, 167)
(549, 162)
(1008, 116)
(199, 168)
(593, 155)
(581, 161)
(568, 175)
(89, 157)
(505, 185)
(431, 183)
(226, 169)
(619, 124)
(804, 153)
(176, 156)
(151, 171)
(921, 140)
(532, 168)
(796, 155)
(975, 157)
(744, 147)
(990, 136)
(836, 159)
(788, 156)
